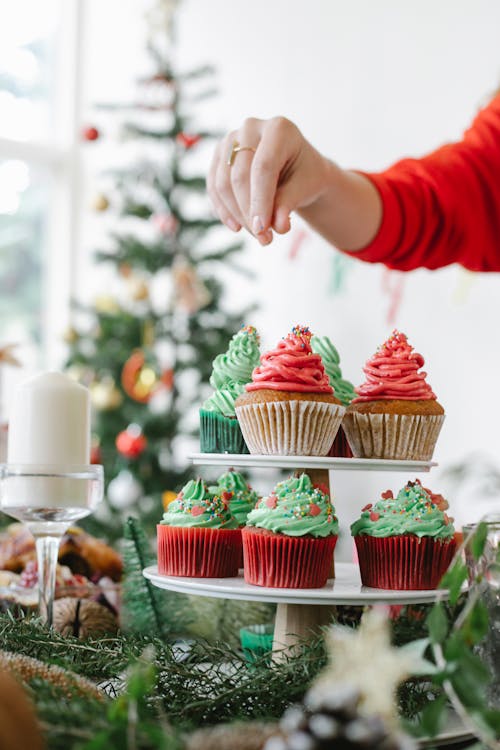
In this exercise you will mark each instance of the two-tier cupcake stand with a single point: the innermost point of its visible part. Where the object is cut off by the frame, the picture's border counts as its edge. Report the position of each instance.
(299, 611)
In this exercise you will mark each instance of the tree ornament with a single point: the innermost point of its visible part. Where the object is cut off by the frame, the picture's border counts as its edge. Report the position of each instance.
(190, 293)
(188, 140)
(70, 335)
(139, 380)
(124, 490)
(100, 203)
(104, 394)
(82, 618)
(165, 223)
(365, 660)
(18, 721)
(90, 133)
(95, 451)
(131, 443)
(137, 288)
(106, 304)
(168, 497)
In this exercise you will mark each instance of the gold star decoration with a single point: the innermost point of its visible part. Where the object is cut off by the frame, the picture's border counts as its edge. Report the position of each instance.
(364, 659)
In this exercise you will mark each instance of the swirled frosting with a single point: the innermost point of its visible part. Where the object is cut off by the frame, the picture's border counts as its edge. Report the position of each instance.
(343, 389)
(295, 507)
(392, 373)
(222, 400)
(292, 366)
(411, 512)
(243, 499)
(239, 360)
(196, 506)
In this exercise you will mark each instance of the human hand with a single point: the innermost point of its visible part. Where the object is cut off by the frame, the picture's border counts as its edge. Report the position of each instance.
(277, 171)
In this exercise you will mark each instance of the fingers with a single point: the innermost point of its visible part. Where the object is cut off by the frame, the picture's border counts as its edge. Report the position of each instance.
(273, 154)
(220, 190)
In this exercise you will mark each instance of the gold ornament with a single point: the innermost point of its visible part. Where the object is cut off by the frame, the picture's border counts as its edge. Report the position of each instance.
(139, 380)
(137, 288)
(18, 722)
(70, 335)
(168, 497)
(105, 396)
(100, 203)
(106, 303)
(83, 618)
(366, 660)
(25, 668)
(7, 357)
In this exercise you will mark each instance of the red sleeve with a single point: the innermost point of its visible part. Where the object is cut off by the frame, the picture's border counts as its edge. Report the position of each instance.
(445, 207)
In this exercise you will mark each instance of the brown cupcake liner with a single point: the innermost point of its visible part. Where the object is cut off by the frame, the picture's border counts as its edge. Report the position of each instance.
(198, 552)
(403, 563)
(281, 561)
(410, 437)
(290, 428)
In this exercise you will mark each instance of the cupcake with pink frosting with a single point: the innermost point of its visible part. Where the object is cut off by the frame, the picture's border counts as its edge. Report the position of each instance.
(290, 408)
(395, 414)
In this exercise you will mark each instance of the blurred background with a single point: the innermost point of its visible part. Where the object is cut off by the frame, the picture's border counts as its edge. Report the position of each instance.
(109, 115)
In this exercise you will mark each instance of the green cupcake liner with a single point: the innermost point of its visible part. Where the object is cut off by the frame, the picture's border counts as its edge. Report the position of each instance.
(220, 434)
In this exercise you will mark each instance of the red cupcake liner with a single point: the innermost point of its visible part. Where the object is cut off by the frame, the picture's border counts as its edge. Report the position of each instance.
(404, 563)
(288, 562)
(198, 552)
(340, 446)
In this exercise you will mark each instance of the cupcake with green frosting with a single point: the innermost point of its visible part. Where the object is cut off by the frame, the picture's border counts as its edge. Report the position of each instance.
(404, 542)
(198, 536)
(244, 498)
(290, 536)
(343, 389)
(219, 428)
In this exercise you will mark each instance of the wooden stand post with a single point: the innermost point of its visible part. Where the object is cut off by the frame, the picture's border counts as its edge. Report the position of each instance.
(294, 622)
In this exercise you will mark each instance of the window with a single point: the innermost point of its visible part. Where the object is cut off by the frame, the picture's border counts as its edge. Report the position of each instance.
(39, 100)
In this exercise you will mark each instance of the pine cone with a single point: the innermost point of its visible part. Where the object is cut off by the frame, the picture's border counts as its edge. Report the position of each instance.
(331, 721)
(82, 618)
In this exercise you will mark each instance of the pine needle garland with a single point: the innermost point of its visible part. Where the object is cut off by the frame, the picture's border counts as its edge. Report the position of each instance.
(146, 609)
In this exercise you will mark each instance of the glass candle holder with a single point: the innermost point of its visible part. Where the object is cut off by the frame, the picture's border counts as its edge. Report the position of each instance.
(48, 499)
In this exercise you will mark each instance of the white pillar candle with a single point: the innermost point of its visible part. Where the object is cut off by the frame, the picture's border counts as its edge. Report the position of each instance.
(50, 422)
(49, 429)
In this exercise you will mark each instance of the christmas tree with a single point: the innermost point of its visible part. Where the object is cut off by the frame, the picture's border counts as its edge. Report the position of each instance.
(146, 365)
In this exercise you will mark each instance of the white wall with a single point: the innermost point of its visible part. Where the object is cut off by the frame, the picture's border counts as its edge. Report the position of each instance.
(368, 82)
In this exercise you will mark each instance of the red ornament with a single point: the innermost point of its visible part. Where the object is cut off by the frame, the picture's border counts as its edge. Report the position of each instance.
(95, 454)
(139, 381)
(187, 140)
(165, 223)
(90, 133)
(130, 443)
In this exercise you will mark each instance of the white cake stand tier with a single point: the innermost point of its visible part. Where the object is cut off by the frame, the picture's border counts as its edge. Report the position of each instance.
(300, 612)
(308, 462)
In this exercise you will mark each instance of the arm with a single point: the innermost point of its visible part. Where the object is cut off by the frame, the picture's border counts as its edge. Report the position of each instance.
(429, 212)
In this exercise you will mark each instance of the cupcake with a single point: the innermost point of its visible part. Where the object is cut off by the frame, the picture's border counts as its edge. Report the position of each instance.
(198, 536)
(219, 428)
(396, 414)
(343, 389)
(290, 537)
(243, 497)
(243, 500)
(405, 542)
(289, 407)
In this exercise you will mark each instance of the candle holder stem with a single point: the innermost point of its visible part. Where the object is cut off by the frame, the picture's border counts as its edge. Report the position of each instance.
(47, 550)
